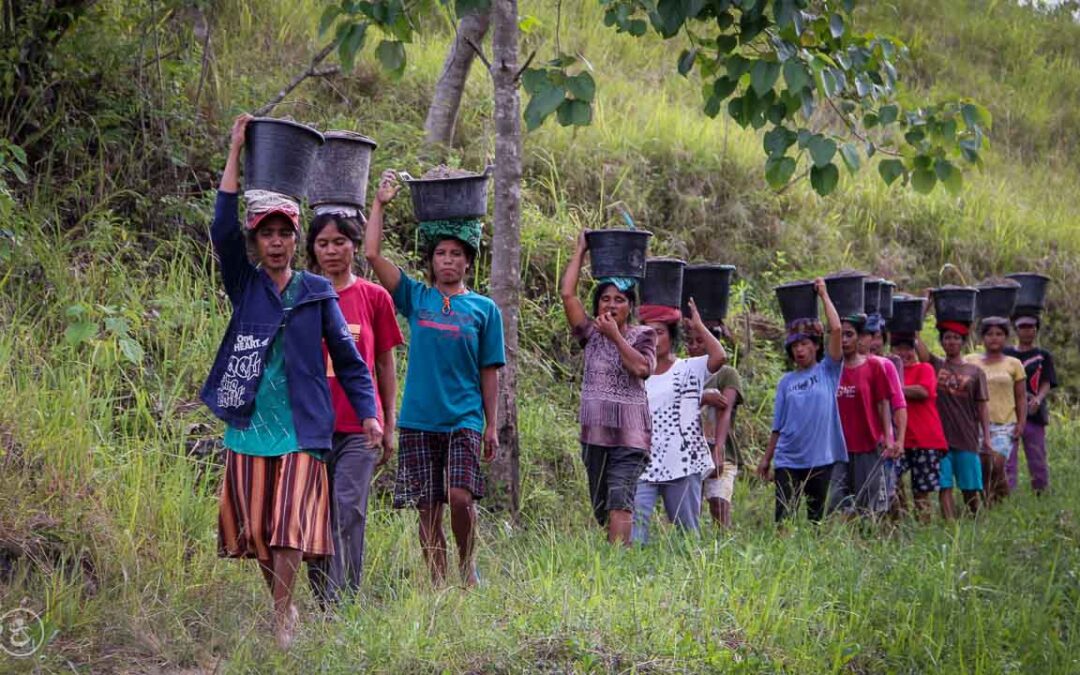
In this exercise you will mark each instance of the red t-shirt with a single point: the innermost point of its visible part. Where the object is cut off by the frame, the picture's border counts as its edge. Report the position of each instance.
(861, 389)
(369, 311)
(924, 428)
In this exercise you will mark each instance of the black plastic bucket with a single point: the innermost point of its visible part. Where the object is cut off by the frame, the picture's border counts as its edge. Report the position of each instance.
(663, 284)
(449, 198)
(955, 303)
(885, 299)
(997, 300)
(710, 287)
(872, 295)
(1032, 295)
(279, 156)
(846, 292)
(340, 174)
(907, 314)
(798, 300)
(618, 253)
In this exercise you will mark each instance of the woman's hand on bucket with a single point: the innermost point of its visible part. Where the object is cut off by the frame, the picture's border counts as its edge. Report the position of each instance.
(388, 187)
(239, 131)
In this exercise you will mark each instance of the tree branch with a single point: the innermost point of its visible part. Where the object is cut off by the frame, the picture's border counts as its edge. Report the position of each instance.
(522, 69)
(311, 71)
(854, 132)
(479, 52)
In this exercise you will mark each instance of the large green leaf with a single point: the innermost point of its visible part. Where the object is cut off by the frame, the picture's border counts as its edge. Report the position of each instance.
(779, 170)
(686, 61)
(949, 175)
(824, 178)
(582, 86)
(923, 180)
(329, 15)
(391, 55)
(890, 170)
(131, 350)
(763, 76)
(778, 140)
(796, 75)
(534, 79)
(350, 44)
(724, 87)
(851, 156)
(543, 103)
(574, 112)
(822, 150)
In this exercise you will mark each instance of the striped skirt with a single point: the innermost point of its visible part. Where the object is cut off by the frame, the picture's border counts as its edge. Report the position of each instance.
(274, 502)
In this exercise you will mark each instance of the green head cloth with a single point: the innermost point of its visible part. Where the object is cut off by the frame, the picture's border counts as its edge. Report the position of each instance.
(467, 231)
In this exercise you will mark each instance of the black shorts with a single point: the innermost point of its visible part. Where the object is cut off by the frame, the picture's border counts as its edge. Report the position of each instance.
(613, 477)
(431, 462)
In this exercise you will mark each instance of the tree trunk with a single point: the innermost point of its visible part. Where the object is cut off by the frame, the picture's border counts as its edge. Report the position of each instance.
(446, 101)
(506, 239)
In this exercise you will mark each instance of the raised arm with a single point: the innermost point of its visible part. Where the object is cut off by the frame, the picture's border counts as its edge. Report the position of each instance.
(713, 347)
(575, 311)
(834, 347)
(388, 273)
(225, 232)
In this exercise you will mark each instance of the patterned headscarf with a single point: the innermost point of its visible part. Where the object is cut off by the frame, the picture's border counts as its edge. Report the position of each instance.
(622, 283)
(468, 231)
(803, 329)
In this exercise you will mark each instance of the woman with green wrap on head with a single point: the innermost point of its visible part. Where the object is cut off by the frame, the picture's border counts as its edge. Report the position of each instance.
(448, 413)
(615, 422)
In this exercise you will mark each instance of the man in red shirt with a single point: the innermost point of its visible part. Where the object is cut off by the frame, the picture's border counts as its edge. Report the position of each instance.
(925, 441)
(860, 485)
(332, 243)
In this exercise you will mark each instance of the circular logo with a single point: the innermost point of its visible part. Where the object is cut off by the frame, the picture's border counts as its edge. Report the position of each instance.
(21, 632)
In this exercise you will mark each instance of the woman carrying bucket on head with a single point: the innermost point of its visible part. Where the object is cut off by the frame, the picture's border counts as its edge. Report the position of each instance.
(962, 397)
(268, 384)
(615, 422)
(333, 241)
(807, 440)
(679, 456)
(1005, 379)
(448, 420)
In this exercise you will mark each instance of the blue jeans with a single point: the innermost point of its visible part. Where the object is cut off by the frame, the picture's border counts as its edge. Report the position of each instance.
(682, 502)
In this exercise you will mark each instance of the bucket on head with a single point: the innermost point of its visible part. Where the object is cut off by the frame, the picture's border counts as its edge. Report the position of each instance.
(710, 287)
(279, 156)
(617, 253)
(455, 198)
(872, 295)
(340, 173)
(798, 300)
(885, 299)
(663, 284)
(955, 303)
(907, 314)
(997, 299)
(846, 292)
(1032, 295)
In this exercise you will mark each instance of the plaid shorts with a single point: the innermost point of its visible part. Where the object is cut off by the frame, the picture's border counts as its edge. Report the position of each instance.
(429, 463)
(924, 466)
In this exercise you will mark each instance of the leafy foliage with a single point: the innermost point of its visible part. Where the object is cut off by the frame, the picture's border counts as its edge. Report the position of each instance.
(799, 68)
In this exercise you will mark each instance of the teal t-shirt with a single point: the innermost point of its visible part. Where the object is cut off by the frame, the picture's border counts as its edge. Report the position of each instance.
(271, 432)
(446, 353)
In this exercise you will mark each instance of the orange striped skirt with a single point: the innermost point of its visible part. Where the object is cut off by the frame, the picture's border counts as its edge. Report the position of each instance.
(274, 502)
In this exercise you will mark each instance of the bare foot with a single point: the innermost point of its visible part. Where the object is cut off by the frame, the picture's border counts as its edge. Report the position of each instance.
(470, 578)
(285, 632)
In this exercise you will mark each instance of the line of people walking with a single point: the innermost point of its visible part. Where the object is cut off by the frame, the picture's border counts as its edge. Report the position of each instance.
(305, 380)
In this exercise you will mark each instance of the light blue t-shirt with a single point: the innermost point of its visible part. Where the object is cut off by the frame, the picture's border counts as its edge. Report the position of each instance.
(446, 353)
(808, 419)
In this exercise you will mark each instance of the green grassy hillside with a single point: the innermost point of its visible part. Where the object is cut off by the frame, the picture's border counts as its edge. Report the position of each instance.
(111, 314)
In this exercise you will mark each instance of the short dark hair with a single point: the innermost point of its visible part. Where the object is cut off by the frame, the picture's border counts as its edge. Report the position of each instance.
(993, 322)
(347, 225)
(630, 293)
(818, 342)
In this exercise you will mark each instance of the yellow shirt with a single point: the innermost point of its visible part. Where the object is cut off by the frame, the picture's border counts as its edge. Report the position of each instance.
(1001, 376)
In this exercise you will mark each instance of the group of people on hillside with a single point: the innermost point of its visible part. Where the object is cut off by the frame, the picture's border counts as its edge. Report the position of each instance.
(308, 421)
(849, 422)
(306, 383)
